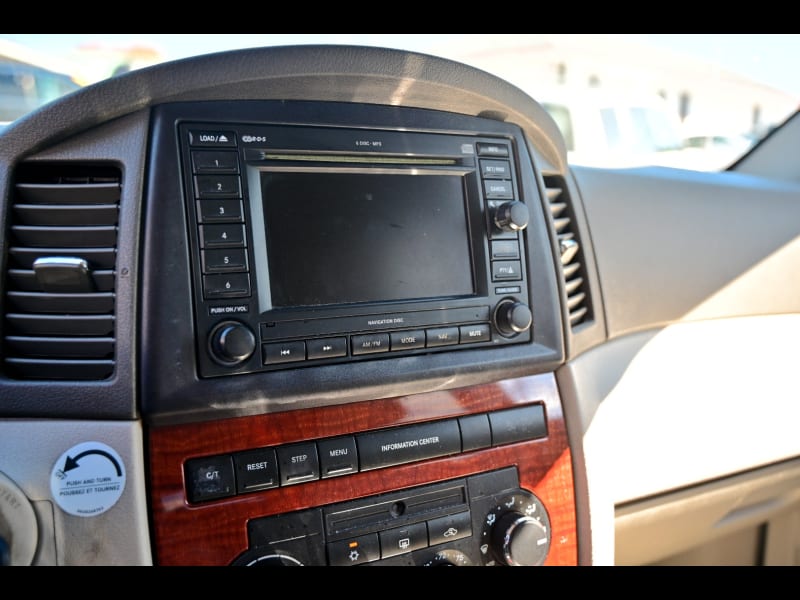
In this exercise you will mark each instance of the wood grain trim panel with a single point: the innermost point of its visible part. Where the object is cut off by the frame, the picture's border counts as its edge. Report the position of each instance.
(214, 533)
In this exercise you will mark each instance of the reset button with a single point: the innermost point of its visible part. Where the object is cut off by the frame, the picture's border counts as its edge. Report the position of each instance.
(256, 470)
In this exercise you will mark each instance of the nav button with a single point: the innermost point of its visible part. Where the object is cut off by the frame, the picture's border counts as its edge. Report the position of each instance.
(326, 348)
(442, 336)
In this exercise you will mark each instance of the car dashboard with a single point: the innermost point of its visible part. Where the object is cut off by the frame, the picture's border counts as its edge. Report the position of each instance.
(332, 305)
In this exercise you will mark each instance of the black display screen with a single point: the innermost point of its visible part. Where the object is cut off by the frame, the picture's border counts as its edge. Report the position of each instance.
(344, 237)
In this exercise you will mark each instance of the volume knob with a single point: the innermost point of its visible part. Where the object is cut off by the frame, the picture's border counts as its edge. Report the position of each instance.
(231, 343)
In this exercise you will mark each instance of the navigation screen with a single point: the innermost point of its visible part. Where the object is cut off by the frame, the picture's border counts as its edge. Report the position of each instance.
(344, 237)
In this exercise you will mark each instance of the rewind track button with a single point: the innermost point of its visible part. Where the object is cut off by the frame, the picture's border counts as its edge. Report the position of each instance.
(283, 352)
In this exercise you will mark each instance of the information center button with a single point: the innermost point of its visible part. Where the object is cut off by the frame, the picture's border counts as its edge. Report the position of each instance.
(370, 344)
(407, 340)
(408, 444)
(326, 348)
(442, 336)
(283, 352)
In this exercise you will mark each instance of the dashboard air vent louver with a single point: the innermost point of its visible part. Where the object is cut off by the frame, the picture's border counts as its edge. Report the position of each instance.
(572, 268)
(60, 272)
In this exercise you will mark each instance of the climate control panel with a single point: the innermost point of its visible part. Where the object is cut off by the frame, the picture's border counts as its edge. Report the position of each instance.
(485, 519)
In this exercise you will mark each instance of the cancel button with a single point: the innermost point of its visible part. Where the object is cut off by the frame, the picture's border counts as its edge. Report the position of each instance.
(401, 445)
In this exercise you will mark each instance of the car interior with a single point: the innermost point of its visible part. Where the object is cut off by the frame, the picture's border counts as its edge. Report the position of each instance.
(336, 305)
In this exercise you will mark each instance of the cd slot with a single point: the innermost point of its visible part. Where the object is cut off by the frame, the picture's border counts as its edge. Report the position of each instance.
(374, 322)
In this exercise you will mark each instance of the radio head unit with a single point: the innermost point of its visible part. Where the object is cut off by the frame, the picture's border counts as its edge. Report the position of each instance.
(315, 245)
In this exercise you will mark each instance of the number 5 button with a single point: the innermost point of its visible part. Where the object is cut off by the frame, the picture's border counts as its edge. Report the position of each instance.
(224, 261)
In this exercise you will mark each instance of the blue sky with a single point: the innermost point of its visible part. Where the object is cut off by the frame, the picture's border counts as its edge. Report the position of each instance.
(767, 58)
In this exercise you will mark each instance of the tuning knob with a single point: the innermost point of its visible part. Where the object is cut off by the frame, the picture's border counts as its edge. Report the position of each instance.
(511, 216)
(231, 343)
(512, 317)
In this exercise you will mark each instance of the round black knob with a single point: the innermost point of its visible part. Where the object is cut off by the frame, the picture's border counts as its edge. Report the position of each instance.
(512, 317)
(231, 343)
(520, 540)
(511, 216)
(262, 557)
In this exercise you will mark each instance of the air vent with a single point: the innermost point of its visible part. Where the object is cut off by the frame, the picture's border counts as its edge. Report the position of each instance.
(62, 254)
(572, 267)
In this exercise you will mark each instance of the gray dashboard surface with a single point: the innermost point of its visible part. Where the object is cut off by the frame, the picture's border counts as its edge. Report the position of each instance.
(674, 245)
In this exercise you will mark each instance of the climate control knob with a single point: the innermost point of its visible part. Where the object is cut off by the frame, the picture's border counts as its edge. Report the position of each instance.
(520, 540)
(516, 531)
(512, 317)
(511, 216)
(231, 343)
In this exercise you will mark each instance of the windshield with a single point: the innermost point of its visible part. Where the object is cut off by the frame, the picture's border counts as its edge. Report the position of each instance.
(697, 101)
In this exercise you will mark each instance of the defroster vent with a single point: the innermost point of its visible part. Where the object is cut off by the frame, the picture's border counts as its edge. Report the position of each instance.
(572, 267)
(60, 272)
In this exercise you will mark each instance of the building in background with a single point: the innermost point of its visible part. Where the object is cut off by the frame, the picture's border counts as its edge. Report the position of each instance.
(30, 79)
(714, 110)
